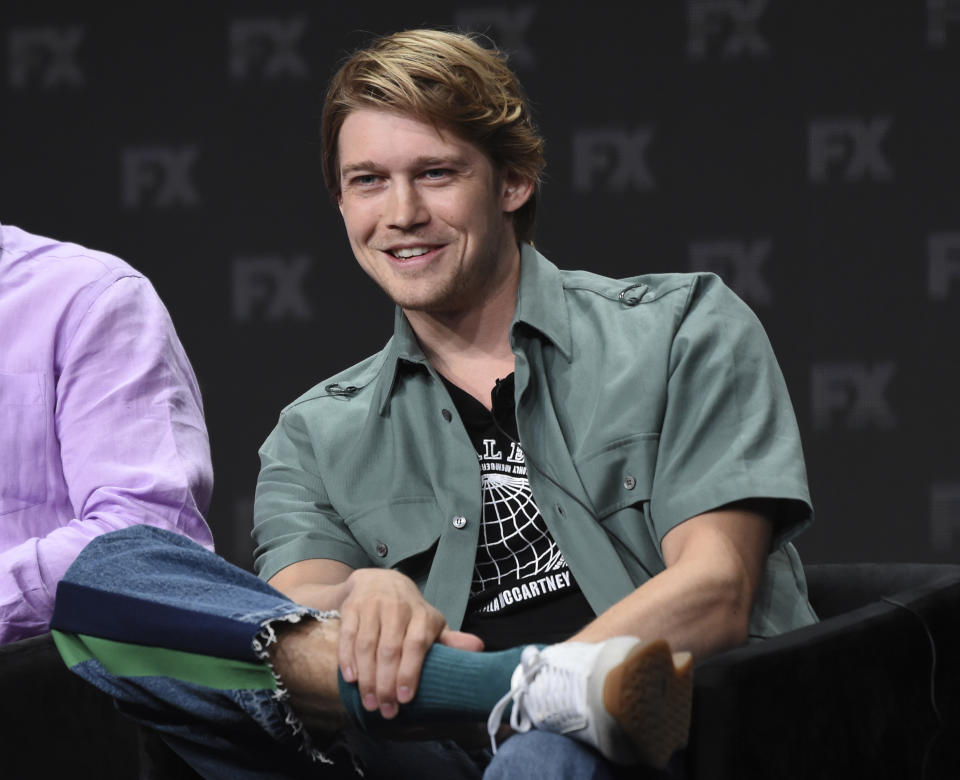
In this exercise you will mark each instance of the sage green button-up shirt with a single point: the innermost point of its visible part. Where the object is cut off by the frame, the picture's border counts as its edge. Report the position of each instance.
(640, 403)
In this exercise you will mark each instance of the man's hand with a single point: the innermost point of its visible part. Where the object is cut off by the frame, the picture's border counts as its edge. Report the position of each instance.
(386, 626)
(386, 629)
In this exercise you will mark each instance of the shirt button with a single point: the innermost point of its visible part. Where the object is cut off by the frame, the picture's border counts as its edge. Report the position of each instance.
(629, 482)
(381, 549)
(459, 521)
(446, 414)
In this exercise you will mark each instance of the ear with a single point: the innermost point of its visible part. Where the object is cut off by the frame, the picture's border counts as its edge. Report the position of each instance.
(516, 191)
(340, 202)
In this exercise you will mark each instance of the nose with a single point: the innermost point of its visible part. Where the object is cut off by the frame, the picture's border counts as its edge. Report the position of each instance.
(405, 207)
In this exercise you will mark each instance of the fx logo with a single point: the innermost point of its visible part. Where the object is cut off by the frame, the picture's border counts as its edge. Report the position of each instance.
(159, 175)
(47, 55)
(270, 288)
(612, 158)
(738, 263)
(854, 389)
(507, 26)
(939, 14)
(735, 20)
(943, 253)
(268, 47)
(944, 515)
(853, 143)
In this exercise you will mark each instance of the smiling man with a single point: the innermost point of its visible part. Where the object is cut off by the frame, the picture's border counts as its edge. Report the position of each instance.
(592, 480)
(424, 212)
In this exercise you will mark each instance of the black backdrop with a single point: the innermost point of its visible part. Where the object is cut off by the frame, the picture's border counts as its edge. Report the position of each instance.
(808, 152)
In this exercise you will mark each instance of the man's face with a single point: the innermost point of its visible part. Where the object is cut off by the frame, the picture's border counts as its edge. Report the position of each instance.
(426, 213)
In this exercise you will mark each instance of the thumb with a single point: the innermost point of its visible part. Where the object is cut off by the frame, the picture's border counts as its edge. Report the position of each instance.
(461, 640)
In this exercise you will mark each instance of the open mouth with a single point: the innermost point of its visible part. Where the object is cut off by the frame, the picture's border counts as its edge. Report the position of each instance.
(408, 252)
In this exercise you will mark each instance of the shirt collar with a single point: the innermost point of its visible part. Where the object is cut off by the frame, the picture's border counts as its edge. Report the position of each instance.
(541, 305)
(402, 347)
(541, 302)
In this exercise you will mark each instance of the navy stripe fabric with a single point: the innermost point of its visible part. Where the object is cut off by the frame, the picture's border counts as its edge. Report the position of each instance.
(84, 610)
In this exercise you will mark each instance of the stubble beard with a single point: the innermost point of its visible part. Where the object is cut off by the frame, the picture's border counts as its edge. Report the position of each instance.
(453, 291)
(456, 293)
(446, 297)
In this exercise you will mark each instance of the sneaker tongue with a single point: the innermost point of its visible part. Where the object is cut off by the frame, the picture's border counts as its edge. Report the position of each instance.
(576, 656)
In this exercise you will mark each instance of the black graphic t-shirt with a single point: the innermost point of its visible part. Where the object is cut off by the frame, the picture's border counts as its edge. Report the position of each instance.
(522, 590)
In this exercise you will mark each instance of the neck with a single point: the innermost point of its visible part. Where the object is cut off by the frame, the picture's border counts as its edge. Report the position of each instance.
(471, 347)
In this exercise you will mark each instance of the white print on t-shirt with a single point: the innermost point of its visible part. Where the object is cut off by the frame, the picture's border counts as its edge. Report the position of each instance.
(514, 542)
(491, 459)
(529, 589)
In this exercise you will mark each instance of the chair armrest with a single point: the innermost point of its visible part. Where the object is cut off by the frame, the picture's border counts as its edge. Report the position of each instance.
(850, 695)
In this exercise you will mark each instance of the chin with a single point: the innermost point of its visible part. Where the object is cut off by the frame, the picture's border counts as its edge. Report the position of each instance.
(427, 301)
(437, 306)
(427, 306)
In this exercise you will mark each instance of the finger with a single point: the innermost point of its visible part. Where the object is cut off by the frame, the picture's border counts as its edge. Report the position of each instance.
(346, 658)
(461, 640)
(390, 648)
(365, 653)
(421, 634)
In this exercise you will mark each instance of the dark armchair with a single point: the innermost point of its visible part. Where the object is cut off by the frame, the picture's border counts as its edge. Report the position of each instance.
(871, 691)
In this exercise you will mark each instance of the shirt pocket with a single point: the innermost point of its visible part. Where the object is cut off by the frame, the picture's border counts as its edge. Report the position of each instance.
(618, 479)
(395, 533)
(620, 473)
(23, 437)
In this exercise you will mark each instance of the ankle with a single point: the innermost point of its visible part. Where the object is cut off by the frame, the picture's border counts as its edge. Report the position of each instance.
(304, 661)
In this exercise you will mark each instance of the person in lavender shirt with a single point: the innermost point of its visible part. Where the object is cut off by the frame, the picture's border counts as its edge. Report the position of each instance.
(101, 419)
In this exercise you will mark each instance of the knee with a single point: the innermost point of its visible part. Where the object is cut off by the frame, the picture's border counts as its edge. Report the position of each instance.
(126, 552)
(543, 755)
(138, 537)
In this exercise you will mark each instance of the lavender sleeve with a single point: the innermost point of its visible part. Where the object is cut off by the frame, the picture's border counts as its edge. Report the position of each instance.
(132, 446)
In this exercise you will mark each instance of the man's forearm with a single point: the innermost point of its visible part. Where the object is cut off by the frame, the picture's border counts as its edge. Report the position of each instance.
(702, 601)
(29, 573)
(701, 612)
(317, 595)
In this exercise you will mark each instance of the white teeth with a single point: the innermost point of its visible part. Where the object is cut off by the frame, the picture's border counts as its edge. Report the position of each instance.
(411, 252)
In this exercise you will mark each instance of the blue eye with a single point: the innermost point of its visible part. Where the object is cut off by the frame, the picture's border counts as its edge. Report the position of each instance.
(436, 173)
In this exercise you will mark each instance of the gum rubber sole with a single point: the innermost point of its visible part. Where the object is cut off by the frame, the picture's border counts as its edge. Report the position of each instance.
(650, 695)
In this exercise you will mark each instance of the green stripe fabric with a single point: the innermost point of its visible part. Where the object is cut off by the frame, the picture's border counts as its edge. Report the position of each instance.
(129, 660)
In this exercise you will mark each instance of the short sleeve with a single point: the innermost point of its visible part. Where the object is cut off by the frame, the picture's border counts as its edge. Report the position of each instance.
(293, 519)
(729, 430)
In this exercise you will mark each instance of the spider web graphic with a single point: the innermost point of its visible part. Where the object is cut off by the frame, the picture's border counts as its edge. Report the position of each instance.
(514, 541)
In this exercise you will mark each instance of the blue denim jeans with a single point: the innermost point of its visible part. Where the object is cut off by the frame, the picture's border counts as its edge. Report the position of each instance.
(543, 755)
(179, 637)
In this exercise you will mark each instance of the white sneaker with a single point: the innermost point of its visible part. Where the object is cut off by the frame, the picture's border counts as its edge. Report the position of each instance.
(629, 699)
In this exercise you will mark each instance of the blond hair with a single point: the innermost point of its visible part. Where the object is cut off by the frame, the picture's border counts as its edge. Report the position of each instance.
(449, 80)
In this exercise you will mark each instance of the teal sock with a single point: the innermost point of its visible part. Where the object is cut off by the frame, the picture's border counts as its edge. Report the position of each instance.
(454, 685)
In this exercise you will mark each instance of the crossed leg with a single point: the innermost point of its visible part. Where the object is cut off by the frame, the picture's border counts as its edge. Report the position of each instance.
(243, 682)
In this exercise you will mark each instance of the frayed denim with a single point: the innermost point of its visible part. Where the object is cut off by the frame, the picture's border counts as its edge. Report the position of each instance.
(179, 638)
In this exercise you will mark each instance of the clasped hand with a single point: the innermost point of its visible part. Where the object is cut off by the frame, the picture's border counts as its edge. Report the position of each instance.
(386, 629)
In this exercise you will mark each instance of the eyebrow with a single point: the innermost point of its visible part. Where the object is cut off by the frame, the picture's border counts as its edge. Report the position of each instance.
(417, 162)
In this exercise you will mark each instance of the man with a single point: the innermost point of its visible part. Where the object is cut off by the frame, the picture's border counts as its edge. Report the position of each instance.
(101, 423)
(535, 458)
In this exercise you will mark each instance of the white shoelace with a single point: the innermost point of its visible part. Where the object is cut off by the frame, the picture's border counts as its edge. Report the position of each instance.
(557, 704)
